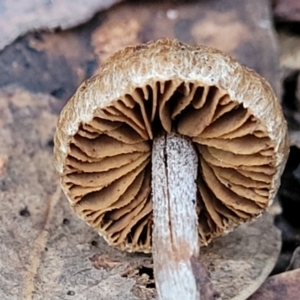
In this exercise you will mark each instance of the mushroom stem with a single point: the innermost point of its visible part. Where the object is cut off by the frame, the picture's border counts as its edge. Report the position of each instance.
(175, 233)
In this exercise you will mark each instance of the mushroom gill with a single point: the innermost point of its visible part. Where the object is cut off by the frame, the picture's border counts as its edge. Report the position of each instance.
(107, 171)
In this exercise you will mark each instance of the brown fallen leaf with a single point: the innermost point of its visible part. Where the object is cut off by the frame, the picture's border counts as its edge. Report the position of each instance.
(295, 260)
(42, 62)
(240, 262)
(290, 235)
(236, 29)
(288, 10)
(282, 286)
(45, 251)
(290, 50)
(204, 284)
(115, 35)
(18, 17)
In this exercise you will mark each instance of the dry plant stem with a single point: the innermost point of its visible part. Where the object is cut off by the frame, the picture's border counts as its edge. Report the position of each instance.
(175, 234)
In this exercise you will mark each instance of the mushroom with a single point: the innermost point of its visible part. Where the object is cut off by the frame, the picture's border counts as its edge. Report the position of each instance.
(181, 139)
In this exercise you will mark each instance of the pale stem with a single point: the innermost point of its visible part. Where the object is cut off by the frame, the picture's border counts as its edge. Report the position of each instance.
(175, 234)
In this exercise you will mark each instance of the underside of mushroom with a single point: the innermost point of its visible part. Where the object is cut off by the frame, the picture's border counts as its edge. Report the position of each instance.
(167, 148)
(108, 167)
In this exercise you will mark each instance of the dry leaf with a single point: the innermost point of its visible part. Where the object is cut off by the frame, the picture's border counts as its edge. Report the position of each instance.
(288, 10)
(18, 17)
(282, 286)
(236, 29)
(290, 50)
(115, 35)
(207, 290)
(295, 260)
(240, 262)
(45, 251)
(43, 62)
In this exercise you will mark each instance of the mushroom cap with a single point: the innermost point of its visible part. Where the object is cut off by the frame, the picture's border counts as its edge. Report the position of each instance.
(103, 139)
